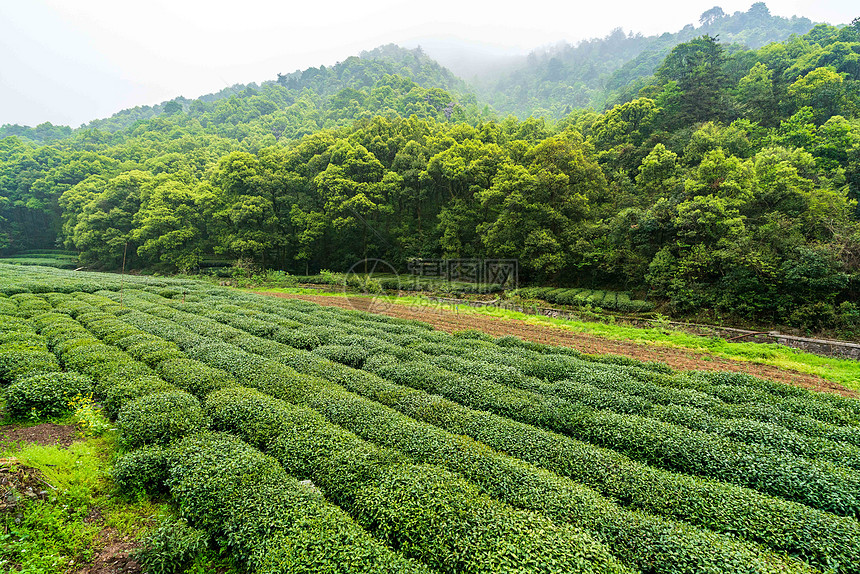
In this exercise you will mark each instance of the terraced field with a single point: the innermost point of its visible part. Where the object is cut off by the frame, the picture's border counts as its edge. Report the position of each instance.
(303, 438)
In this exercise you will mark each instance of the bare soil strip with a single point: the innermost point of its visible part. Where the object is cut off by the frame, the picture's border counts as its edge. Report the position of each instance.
(682, 359)
(47, 434)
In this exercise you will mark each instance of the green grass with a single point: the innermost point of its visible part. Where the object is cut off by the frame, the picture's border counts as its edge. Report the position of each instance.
(845, 372)
(296, 291)
(51, 535)
(58, 262)
(58, 534)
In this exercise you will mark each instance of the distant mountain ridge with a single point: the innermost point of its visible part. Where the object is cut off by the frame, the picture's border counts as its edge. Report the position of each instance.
(590, 73)
(551, 83)
(327, 86)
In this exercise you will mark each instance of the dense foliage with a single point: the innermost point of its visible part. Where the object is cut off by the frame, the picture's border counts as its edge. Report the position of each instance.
(590, 73)
(726, 184)
(350, 438)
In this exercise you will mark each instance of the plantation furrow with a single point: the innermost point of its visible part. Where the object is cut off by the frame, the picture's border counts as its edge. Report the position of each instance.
(684, 549)
(815, 483)
(23, 352)
(766, 435)
(484, 525)
(426, 511)
(264, 517)
(743, 430)
(683, 497)
(257, 511)
(630, 380)
(660, 387)
(605, 390)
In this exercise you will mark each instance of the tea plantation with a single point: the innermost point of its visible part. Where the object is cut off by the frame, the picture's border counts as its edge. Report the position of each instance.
(301, 438)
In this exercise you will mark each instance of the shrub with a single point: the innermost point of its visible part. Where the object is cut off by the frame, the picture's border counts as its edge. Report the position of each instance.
(141, 471)
(816, 483)
(21, 360)
(821, 538)
(171, 547)
(47, 395)
(194, 377)
(116, 391)
(265, 517)
(159, 418)
(426, 511)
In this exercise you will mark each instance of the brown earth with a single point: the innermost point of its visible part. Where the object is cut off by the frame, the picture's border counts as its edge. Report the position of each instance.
(113, 555)
(47, 434)
(19, 482)
(682, 359)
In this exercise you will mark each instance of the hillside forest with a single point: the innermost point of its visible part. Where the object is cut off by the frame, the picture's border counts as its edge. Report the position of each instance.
(721, 180)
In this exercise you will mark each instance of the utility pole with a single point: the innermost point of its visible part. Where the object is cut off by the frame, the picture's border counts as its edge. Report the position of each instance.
(122, 274)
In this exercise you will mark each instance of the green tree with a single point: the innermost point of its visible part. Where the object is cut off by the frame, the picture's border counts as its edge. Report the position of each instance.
(756, 98)
(170, 227)
(697, 68)
(103, 232)
(821, 89)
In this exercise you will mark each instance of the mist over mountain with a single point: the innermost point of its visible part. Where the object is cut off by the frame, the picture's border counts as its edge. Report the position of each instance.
(475, 62)
(550, 81)
(588, 74)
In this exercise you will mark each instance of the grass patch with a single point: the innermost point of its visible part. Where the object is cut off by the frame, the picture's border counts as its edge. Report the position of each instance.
(52, 534)
(60, 531)
(300, 291)
(845, 372)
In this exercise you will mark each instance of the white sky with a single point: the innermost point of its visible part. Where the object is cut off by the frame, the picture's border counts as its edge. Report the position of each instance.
(70, 61)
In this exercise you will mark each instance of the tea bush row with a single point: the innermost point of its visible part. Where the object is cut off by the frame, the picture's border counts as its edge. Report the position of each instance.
(611, 300)
(618, 391)
(160, 416)
(428, 513)
(781, 524)
(256, 512)
(432, 545)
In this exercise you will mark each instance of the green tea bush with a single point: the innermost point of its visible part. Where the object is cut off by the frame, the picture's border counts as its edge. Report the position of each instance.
(171, 547)
(24, 360)
(611, 300)
(683, 548)
(799, 399)
(405, 504)
(351, 355)
(46, 395)
(8, 323)
(152, 352)
(264, 517)
(8, 307)
(822, 538)
(668, 446)
(29, 304)
(142, 470)
(159, 418)
(613, 397)
(194, 377)
(115, 391)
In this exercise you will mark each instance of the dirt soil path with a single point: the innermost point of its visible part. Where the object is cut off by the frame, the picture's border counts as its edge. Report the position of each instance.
(47, 434)
(682, 359)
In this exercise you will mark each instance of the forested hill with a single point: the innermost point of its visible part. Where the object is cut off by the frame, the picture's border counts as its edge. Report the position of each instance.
(591, 73)
(725, 186)
(375, 82)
